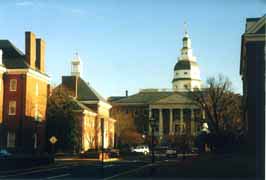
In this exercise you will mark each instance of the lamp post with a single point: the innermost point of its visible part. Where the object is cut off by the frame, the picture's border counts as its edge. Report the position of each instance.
(152, 124)
(102, 129)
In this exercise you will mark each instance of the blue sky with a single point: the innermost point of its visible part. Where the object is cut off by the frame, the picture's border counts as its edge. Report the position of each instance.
(132, 44)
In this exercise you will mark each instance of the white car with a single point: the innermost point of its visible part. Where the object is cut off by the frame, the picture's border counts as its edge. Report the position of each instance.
(141, 149)
(171, 153)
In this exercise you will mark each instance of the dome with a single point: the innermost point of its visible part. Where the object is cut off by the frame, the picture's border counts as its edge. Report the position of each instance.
(185, 65)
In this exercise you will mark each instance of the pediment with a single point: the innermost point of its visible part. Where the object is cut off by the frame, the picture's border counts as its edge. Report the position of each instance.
(176, 98)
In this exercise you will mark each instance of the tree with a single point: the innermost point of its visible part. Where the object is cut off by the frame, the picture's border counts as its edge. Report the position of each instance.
(221, 106)
(223, 111)
(126, 131)
(61, 121)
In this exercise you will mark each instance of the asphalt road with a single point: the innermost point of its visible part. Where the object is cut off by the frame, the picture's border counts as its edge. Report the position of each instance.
(75, 169)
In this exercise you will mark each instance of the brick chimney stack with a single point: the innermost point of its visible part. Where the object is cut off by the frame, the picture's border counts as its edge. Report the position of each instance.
(40, 55)
(30, 48)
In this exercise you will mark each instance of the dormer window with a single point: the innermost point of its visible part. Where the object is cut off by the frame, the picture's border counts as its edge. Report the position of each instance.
(13, 85)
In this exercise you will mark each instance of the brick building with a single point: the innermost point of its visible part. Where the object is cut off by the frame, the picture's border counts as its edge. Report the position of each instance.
(24, 88)
(252, 71)
(91, 109)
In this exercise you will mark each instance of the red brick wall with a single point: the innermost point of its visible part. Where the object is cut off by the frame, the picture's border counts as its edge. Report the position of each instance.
(12, 121)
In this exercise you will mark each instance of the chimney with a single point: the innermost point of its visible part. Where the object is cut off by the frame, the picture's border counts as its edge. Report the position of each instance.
(71, 84)
(126, 93)
(30, 48)
(1, 56)
(40, 55)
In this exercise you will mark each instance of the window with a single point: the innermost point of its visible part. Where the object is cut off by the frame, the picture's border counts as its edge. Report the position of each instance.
(13, 85)
(185, 72)
(186, 86)
(11, 139)
(12, 108)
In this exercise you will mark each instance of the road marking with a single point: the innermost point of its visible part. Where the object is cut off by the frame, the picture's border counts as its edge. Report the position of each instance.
(27, 169)
(59, 176)
(127, 172)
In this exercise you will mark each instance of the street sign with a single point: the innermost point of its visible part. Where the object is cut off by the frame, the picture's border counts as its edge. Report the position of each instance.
(53, 140)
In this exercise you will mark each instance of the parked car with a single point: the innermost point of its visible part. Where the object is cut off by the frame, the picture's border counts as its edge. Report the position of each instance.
(165, 151)
(91, 153)
(141, 149)
(170, 152)
(160, 151)
(4, 153)
(113, 153)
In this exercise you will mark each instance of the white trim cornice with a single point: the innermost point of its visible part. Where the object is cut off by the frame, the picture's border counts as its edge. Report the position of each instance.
(254, 37)
(104, 104)
(86, 112)
(30, 72)
(2, 69)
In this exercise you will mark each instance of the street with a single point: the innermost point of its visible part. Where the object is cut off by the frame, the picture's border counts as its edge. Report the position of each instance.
(75, 169)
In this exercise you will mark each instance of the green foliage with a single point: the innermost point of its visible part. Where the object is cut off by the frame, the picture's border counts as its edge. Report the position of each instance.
(61, 121)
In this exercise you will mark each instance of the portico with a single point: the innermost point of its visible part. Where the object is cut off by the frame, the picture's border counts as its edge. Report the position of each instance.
(175, 115)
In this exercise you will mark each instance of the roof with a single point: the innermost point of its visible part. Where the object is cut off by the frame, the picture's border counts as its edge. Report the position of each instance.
(12, 56)
(115, 98)
(9, 49)
(175, 98)
(185, 65)
(84, 91)
(143, 98)
(87, 93)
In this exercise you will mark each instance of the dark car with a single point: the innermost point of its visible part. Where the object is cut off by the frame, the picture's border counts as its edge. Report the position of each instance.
(91, 153)
(4, 153)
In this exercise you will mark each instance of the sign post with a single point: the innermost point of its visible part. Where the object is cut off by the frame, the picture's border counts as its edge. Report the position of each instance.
(53, 140)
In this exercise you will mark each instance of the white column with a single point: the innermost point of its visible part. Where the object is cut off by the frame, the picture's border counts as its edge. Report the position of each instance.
(181, 120)
(192, 122)
(150, 115)
(160, 123)
(171, 122)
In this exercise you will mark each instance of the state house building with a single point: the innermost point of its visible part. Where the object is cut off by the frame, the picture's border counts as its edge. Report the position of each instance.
(173, 111)
(24, 87)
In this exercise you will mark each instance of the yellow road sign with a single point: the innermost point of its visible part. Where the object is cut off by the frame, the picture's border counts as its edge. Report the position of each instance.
(53, 140)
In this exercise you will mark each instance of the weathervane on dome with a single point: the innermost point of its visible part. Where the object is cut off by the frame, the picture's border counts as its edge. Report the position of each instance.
(186, 28)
